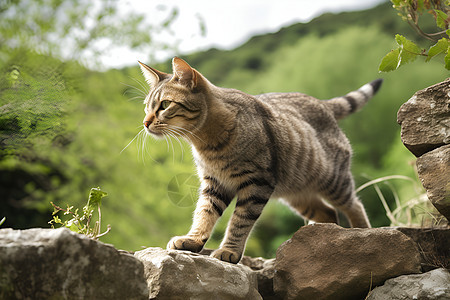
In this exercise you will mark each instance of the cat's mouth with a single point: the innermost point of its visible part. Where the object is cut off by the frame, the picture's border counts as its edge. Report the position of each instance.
(153, 132)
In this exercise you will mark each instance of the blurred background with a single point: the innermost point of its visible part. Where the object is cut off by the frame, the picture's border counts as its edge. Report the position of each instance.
(71, 108)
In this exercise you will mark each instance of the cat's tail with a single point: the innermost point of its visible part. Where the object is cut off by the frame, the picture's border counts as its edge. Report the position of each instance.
(355, 100)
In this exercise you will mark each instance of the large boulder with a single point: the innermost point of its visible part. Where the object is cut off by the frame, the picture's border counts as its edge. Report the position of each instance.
(60, 264)
(173, 274)
(425, 131)
(433, 285)
(325, 261)
(425, 119)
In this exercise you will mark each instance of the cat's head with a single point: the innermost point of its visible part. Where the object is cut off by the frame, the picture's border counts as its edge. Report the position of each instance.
(176, 104)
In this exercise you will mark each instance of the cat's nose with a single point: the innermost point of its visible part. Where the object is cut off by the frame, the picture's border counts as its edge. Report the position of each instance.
(148, 120)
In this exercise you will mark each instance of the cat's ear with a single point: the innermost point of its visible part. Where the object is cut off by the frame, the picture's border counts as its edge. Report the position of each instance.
(183, 73)
(152, 76)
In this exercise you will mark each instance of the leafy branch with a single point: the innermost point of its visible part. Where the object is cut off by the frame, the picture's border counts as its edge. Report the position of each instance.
(407, 51)
(81, 223)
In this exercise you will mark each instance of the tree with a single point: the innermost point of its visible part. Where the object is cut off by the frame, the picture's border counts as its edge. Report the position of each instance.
(42, 43)
(75, 30)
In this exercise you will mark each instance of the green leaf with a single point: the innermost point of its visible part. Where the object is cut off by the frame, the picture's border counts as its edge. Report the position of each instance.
(390, 62)
(440, 47)
(447, 59)
(441, 18)
(447, 32)
(95, 197)
(408, 49)
(72, 225)
(2, 221)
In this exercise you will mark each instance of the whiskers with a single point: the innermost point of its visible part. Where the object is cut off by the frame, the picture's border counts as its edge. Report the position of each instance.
(171, 133)
(141, 138)
(141, 91)
(186, 134)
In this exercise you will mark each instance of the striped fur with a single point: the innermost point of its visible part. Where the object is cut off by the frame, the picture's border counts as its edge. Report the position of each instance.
(355, 100)
(278, 145)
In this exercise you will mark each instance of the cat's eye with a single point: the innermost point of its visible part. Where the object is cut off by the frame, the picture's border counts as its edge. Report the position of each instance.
(165, 104)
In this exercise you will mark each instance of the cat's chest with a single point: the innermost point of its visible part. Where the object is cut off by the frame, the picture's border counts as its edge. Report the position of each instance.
(221, 167)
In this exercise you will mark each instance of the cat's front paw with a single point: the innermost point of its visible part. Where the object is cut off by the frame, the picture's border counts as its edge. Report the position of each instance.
(185, 243)
(227, 255)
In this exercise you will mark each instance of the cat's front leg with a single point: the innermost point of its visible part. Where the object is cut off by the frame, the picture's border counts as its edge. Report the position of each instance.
(213, 200)
(249, 206)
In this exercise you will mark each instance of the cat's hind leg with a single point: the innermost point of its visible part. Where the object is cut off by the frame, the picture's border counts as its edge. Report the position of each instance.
(341, 194)
(312, 208)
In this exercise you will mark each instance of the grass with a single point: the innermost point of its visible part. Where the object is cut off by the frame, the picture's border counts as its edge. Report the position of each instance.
(416, 211)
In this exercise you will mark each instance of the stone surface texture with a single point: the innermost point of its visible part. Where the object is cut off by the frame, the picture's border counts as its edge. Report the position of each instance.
(265, 271)
(325, 261)
(433, 245)
(425, 119)
(425, 131)
(60, 264)
(321, 261)
(433, 285)
(434, 171)
(174, 275)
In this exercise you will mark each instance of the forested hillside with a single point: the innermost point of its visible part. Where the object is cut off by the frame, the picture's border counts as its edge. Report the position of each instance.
(65, 128)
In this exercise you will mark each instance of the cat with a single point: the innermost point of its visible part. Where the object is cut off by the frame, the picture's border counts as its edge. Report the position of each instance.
(275, 145)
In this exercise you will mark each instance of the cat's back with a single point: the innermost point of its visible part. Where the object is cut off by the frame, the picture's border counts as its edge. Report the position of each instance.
(302, 107)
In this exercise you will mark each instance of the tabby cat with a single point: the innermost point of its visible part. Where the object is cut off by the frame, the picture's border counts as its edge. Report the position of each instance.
(276, 145)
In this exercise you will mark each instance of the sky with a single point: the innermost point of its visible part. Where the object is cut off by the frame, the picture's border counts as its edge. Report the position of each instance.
(228, 23)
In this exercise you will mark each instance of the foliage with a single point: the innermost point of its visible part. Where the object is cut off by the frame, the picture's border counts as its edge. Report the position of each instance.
(40, 94)
(75, 29)
(407, 51)
(35, 96)
(82, 223)
(33, 104)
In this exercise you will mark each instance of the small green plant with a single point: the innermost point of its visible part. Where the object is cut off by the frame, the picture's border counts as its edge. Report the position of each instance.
(407, 51)
(2, 221)
(82, 223)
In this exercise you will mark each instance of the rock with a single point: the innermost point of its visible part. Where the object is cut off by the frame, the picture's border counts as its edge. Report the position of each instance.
(265, 271)
(173, 274)
(425, 131)
(325, 261)
(434, 172)
(433, 285)
(425, 119)
(433, 245)
(60, 264)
